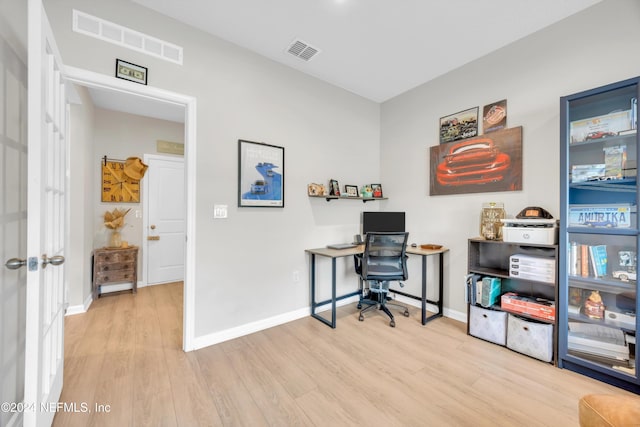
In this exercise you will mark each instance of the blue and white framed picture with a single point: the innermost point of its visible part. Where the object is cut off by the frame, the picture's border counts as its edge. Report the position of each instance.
(260, 175)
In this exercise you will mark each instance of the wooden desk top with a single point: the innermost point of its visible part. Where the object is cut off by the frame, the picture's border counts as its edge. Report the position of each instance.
(337, 253)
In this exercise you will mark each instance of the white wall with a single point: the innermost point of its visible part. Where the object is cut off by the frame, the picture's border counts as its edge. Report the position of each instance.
(81, 195)
(593, 48)
(246, 263)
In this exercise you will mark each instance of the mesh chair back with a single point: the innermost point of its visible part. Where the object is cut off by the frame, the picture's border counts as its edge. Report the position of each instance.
(385, 257)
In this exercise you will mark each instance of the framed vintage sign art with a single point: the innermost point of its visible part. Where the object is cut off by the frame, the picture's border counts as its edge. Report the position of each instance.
(260, 175)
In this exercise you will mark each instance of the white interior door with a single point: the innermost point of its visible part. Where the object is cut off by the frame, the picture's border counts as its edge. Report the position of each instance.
(13, 218)
(46, 231)
(165, 222)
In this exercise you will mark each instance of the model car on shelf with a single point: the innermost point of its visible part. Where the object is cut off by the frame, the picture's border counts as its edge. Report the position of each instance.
(477, 161)
(599, 135)
(624, 275)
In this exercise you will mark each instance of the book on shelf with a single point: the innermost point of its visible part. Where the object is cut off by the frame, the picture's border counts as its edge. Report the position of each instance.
(587, 260)
(471, 285)
(598, 254)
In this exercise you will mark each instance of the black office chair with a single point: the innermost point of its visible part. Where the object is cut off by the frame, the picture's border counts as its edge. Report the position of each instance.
(384, 260)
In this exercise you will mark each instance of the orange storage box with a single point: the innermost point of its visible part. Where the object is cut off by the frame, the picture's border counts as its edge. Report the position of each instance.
(540, 309)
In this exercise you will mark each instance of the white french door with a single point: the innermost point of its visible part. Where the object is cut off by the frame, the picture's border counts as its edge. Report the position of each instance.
(46, 230)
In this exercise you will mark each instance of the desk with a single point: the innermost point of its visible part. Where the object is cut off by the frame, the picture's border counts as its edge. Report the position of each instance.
(339, 253)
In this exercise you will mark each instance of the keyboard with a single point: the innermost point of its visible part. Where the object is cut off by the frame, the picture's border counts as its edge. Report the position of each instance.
(342, 246)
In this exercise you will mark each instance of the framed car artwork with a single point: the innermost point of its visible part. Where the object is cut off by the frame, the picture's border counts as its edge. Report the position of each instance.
(488, 163)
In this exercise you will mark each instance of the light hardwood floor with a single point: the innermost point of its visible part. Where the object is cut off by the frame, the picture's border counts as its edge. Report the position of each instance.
(125, 353)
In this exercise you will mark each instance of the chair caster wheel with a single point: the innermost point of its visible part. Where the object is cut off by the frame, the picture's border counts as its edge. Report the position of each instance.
(406, 313)
(361, 318)
(392, 323)
(359, 306)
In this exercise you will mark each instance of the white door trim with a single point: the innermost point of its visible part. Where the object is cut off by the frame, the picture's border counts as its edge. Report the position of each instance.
(145, 215)
(96, 80)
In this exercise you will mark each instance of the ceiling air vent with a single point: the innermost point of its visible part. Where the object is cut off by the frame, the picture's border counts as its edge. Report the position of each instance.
(302, 50)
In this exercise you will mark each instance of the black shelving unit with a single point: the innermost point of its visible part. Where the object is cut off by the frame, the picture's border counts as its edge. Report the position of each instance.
(491, 258)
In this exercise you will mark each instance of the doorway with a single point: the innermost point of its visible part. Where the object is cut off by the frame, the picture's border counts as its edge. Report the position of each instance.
(163, 236)
(146, 94)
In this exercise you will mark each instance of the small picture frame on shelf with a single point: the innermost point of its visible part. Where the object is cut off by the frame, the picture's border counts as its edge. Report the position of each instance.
(376, 190)
(316, 189)
(334, 188)
(351, 191)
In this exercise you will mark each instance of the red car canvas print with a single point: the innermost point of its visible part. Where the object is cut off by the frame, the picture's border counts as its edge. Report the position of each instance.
(484, 164)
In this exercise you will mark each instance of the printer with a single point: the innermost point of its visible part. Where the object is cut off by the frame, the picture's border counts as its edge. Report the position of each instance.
(532, 225)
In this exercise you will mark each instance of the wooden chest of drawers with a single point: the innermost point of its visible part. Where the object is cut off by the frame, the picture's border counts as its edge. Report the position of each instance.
(115, 266)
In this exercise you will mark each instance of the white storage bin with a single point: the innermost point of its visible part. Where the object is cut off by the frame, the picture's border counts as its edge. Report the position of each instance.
(531, 338)
(489, 325)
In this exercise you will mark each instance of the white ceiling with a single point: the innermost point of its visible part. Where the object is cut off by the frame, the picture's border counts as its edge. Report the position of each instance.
(135, 104)
(375, 48)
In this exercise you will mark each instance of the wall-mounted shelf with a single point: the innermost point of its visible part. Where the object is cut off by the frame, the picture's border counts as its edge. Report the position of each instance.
(364, 199)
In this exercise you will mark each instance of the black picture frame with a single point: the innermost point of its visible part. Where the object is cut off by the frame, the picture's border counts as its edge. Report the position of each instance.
(132, 72)
(334, 187)
(351, 191)
(260, 175)
(376, 191)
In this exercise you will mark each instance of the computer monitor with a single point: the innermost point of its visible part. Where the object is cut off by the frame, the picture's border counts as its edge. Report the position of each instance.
(382, 221)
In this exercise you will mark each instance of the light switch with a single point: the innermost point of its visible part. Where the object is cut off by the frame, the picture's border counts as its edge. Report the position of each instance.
(219, 211)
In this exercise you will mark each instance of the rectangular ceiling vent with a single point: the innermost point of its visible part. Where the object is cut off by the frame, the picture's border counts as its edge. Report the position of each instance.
(302, 50)
(117, 34)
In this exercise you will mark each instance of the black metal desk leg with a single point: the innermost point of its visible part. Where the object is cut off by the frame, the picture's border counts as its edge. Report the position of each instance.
(424, 289)
(441, 286)
(333, 293)
(313, 284)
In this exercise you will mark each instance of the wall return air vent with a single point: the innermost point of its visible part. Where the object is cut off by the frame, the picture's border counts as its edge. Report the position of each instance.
(117, 34)
(302, 50)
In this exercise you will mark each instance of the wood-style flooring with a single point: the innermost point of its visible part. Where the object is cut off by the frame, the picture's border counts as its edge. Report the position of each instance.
(124, 364)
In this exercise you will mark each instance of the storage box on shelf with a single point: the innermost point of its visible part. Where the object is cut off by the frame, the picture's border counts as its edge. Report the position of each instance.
(524, 317)
(599, 234)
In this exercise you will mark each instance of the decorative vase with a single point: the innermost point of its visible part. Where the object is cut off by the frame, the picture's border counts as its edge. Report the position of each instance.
(116, 239)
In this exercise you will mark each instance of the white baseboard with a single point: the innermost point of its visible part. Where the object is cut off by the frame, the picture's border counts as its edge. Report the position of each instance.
(453, 314)
(249, 328)
(79, 309)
